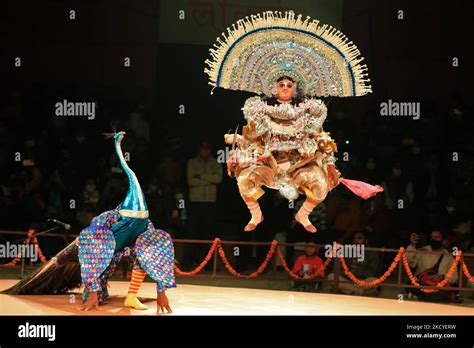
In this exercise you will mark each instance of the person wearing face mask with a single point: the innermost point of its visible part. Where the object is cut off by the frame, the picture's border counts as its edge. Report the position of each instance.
(431, 268)
(370, 173)
(91, 194)
(370, 165)
(364, 266)
(397, 187)
(450, 216)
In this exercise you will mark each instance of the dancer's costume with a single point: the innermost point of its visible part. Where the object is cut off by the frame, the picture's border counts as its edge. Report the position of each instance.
(283, 146)
(92, 258)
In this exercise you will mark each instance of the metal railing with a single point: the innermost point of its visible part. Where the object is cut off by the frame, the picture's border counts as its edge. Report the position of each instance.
(337, 263)
(336, 268)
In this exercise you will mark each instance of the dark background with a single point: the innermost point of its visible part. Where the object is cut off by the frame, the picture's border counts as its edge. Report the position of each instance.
(82, 60)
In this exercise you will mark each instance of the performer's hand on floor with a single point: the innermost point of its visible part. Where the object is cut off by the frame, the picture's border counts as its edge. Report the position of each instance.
(92, 302)
(162, 303)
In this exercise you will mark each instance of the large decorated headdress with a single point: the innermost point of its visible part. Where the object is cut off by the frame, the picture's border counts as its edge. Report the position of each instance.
(262, 48)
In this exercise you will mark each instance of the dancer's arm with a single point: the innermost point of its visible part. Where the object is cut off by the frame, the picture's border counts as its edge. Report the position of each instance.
(334, 175)
(316, 113)
(315, 107)
(328, 146)
(254, 112)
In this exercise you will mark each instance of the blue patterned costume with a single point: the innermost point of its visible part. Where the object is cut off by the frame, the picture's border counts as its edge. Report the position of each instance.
(92, 258)
(125, 229)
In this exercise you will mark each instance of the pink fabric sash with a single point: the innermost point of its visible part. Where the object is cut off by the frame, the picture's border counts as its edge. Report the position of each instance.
(362, 189)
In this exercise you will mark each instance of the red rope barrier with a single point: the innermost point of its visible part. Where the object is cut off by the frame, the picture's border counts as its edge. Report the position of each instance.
(203, 263)
(466, 272)
(254, 274)
(401, 255)
(439, 284)
(374, 282)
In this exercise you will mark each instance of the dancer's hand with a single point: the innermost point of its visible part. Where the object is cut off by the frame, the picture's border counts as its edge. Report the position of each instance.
(162, 303)
(91, 303)
(333, 175)
(232, 165)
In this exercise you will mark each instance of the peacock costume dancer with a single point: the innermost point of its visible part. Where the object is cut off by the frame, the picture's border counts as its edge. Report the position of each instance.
(92, 258)
(283, 145)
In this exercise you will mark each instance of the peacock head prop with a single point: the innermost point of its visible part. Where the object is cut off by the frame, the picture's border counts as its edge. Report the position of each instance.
(134, 204)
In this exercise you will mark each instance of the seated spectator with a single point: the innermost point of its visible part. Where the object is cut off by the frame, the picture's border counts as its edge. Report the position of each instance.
(90, 193)
(377, 220)
(432, 268)
(365, 267)
(306, 265)
(343, 215)
(450, 216)
(54, 195)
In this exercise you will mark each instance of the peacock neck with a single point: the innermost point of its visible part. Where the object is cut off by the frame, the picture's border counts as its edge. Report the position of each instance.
(135, 192)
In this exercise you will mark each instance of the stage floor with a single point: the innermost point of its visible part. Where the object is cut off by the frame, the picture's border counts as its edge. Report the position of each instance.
(210, 300)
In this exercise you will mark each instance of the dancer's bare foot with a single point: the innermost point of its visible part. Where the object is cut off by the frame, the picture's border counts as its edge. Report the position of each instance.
(162, 303)
(303, 220)
(91, 303)
(252, 224)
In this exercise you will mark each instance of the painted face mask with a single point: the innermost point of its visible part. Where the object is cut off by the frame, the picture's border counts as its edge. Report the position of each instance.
(285, 90)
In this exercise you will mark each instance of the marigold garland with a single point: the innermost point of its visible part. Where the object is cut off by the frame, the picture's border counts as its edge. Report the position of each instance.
(401, 255)
(374, 282)
(203, 263)
(466, 272)
(40, 253)
(254, 274)
(439, 284)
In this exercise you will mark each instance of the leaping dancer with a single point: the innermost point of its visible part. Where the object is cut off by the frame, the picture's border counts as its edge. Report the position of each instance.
(283, 146)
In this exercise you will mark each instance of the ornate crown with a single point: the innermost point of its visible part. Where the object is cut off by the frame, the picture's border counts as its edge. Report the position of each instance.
(260, 49)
